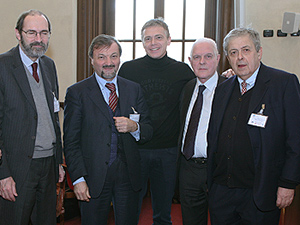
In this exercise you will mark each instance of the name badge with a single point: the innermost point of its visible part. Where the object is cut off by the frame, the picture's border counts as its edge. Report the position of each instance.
(135, 116)
(56, 104)
(258, 119)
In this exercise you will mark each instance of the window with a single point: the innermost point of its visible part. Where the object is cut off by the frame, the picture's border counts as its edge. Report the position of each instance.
(185, 19)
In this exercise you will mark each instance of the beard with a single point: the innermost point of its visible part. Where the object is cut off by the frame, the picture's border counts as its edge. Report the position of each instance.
(33, 52)
(108, 75)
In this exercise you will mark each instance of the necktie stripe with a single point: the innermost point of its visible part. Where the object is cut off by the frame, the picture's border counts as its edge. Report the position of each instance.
(113, 98)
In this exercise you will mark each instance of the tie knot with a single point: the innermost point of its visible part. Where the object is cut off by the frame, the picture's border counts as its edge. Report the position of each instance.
(34, 66)
(244, 84)
(110, 86)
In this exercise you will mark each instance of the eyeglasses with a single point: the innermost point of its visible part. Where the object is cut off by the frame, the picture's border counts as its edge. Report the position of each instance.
(33, 33)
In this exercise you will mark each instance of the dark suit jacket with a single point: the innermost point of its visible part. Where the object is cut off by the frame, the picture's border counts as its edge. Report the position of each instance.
(276, 148)
(18, 115)
(87, 131)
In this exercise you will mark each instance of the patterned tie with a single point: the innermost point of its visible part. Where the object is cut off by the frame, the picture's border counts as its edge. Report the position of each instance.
(113, 98)
(189, 142)
(34, 71)
(244, 87)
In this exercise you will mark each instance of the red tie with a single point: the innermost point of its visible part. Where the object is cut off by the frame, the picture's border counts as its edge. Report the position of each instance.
(244, 87)
(113, 98)
(34, 71)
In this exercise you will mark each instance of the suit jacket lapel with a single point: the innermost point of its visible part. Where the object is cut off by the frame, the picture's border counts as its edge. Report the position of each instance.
(223, 100)
(259, 90)
(20, 76)
(49, 92)
(97, 97)
(187, 99)
(123, 96)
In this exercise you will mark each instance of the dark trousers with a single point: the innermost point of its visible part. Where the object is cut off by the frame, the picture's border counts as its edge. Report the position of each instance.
(117, 189)
(159, 166)
(193, 191)
(36, 199)
(235, 206)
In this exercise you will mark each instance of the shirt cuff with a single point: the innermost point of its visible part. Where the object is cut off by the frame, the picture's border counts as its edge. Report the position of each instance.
(136, 134)
(81, 179)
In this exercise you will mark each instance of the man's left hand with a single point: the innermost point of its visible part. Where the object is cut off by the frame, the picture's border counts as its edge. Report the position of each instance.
(284, 197)
(124, 125)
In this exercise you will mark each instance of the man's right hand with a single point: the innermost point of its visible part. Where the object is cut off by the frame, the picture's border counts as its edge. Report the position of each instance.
(228, 73)
(81, 190)
(8, 189)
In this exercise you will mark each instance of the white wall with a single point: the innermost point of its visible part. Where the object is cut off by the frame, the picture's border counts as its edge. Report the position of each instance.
(279, 52)
(62, 49)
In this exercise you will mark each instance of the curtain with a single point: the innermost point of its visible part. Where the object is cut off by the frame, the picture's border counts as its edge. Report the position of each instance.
(219, 20)
(94, 17)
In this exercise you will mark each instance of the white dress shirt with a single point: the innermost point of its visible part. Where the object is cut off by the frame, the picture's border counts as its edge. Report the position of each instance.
(250, 81)
(208, 94)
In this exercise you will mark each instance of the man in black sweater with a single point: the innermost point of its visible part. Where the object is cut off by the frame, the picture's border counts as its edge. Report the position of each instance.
(162, 79)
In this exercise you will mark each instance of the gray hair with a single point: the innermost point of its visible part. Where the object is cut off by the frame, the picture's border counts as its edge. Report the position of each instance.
(238, 32)
(156, 22)
(207, 40)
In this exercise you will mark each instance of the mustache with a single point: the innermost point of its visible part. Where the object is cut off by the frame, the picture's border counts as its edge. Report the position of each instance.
(109, 66)
(36, 43)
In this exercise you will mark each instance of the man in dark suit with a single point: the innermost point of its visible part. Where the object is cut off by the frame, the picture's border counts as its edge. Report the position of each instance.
(29, 126)
(204, 60)
(100, 141)
(253, 137)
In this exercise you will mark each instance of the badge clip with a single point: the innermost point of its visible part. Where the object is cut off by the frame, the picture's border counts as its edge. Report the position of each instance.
(261, 112)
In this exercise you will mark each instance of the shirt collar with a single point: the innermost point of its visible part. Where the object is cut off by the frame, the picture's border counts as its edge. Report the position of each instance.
(251, 80)
(102, 81)
(211, 83)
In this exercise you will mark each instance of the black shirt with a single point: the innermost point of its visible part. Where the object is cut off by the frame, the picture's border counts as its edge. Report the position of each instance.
(162, 81)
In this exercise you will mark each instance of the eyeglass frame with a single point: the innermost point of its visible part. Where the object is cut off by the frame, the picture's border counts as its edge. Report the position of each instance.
(36, 33)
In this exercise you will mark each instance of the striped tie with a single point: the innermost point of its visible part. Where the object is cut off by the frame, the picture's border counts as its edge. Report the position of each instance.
(113, 98)
(244, 87)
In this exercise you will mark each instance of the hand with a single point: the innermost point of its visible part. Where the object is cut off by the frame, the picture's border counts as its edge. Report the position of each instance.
(8, 189)
(81, 190)
(0, 154)
(61, 173)
(284, 197)
(228, 73)
(124, 125)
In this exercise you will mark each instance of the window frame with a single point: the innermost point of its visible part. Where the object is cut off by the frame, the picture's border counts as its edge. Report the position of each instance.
(98, 16)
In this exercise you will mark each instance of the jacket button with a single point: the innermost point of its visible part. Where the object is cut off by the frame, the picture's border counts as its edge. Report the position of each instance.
(33, 137)
(106, 163)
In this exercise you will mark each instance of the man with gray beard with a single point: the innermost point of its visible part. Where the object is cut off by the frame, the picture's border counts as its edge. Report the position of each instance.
(30, 137)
